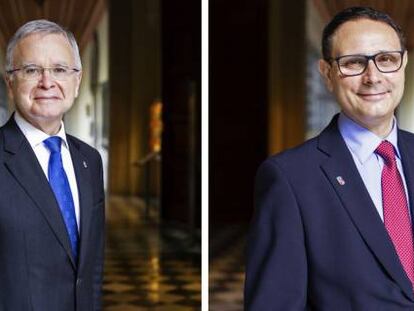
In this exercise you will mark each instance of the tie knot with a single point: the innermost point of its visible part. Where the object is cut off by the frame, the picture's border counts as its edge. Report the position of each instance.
(53, 143)
(386, 151)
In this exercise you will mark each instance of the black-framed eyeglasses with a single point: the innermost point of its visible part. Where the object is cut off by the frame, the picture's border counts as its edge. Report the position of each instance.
(354, 65)
(34, 72)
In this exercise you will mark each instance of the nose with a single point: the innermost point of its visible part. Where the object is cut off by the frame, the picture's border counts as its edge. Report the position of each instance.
(371, 75)
(46, 81)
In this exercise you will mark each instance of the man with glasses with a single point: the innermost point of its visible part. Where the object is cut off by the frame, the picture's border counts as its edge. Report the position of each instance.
(333, 220)
(52, 198)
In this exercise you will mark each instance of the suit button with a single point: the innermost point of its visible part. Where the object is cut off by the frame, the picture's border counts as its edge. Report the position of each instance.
(79, 282)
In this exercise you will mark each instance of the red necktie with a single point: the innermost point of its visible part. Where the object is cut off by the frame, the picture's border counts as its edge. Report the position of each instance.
(394, 202)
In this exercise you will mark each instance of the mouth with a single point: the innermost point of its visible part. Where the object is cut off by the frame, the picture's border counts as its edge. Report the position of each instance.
(374, 96)
(40, 98)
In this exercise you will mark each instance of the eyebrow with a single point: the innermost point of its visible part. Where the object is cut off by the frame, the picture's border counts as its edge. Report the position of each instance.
(57, 64)
(381, 51)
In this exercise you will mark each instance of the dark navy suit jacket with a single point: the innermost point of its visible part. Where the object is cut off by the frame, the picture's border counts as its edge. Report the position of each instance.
(37, 270)
(317, 243)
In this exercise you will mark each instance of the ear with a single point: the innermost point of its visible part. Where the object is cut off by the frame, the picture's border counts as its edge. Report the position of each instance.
(9, 81)
(405, 59)
(325, 69)
(78, 82)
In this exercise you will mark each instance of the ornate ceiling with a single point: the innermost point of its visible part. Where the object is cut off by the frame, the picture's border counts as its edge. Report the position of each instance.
(402, 11)
(79, 16)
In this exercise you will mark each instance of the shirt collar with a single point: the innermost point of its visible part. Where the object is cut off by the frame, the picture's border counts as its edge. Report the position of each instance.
(363, 142)
(36, 136)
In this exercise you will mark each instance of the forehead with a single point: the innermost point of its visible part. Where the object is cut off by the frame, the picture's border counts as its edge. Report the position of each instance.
(364, 36)
(43, 49)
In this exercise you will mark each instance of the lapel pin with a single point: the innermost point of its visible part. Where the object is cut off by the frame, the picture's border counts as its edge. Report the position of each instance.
(340, 180)
(85, 165)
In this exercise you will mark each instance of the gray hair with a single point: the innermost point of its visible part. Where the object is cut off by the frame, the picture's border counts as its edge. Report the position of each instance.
(44, 27)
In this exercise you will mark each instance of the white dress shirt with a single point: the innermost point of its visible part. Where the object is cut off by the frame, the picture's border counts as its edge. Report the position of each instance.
(36, 138)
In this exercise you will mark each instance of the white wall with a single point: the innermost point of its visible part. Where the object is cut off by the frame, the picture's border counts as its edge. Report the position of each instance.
(78, 121)
(85, 118)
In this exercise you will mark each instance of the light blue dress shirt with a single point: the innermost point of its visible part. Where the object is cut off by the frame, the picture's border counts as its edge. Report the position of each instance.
(362, 144)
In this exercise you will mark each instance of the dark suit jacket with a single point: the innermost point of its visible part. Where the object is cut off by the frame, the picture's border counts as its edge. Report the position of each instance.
(37, 270)
(318, 245)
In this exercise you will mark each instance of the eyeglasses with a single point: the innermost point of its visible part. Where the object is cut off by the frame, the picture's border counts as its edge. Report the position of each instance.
(354, 65)
(33, 72)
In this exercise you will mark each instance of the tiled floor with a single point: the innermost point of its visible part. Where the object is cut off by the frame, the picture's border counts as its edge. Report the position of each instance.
(148, 266)
(226, 275)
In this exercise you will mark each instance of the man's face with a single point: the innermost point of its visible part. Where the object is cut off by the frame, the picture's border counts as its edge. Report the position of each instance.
(43, 101)
(370, 98)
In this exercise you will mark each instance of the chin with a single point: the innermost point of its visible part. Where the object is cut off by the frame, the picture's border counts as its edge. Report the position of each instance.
(379, 110)
(47, 116)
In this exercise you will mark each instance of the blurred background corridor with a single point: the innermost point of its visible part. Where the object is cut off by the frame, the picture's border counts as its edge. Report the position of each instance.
(139, 105)
(265, 96)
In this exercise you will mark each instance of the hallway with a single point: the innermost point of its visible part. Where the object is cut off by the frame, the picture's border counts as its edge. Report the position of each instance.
(148, 266)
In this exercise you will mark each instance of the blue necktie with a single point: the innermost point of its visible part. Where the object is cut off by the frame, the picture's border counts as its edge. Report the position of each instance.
(60, 186)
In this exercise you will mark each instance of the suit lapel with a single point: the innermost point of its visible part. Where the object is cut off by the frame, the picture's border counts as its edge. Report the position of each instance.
(23, 165)
(83, 180)
(358, 203)
(407, 159)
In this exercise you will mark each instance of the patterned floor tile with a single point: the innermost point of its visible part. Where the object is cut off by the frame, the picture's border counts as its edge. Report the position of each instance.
(117, 287)
(149, 266)
(226, 274)
(125, 307)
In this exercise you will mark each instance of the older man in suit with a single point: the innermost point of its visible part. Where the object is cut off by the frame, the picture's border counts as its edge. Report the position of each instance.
(333, 221)
(52, 198)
